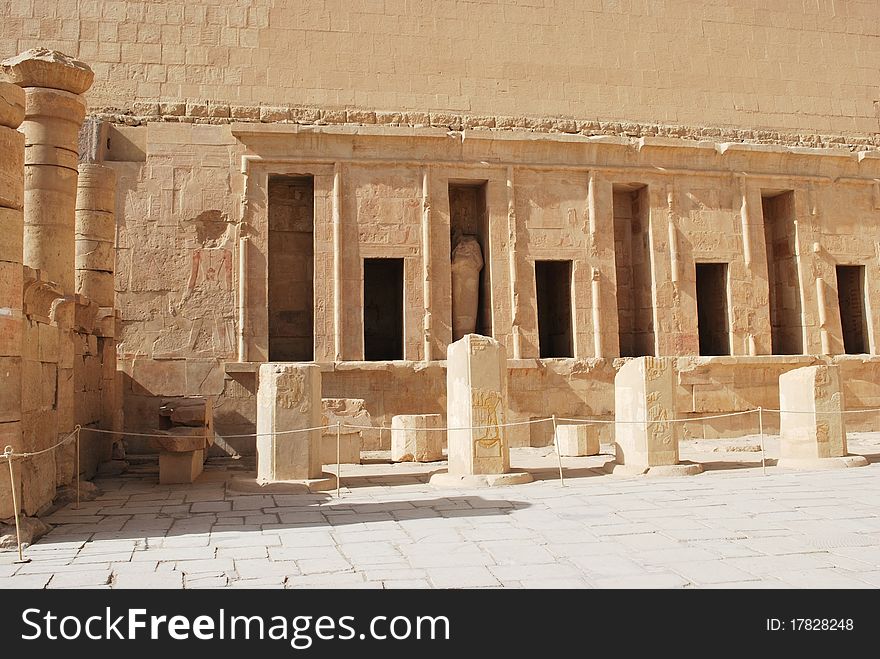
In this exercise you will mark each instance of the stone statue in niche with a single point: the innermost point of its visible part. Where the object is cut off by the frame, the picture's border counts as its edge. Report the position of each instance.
(467, 262)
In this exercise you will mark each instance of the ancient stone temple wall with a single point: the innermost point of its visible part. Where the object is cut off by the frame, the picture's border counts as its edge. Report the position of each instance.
(63, 340)
(669, 208)
(734, 64)
(195, 317)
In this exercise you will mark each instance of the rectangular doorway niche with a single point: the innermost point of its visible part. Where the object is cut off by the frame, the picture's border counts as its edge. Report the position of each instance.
(712, 322)
(786, 325)
(632, 255)
(851, 298)
(553, 288)
(291, 212)
(383, 309)
(468, 217)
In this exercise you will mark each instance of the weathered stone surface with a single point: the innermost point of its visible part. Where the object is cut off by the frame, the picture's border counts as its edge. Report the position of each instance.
(417, 437)
(40, 67)
(812, 427)
(11, 105)
(346, 412)
(188, 411)
(288, 399)
(476, 384)
(644, 404)
(182, 440)
(177, 468)
(11, 169)
(577, 439)
(30, 528)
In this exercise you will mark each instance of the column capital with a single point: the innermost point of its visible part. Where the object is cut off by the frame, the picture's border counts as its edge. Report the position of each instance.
(41, 67)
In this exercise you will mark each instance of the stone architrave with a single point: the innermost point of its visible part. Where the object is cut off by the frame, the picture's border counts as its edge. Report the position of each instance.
(288, 398)
(646, 441)
(577, 440)
(54, 111)
(417, 438)
(811, 424)
(467, 262)
(476, 395)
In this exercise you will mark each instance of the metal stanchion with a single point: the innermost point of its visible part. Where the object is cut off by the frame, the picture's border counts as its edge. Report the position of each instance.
(558, 455)
(761, 431)
(338, 455)
(76, 473)
(7, 453)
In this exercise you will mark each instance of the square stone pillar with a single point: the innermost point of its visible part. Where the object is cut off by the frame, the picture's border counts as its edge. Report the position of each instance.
(417, 437)
(288, 398)
(811, 424)
(476, 399)
(644, 403)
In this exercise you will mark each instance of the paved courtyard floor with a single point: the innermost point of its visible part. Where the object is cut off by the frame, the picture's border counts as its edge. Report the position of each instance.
(730, 527)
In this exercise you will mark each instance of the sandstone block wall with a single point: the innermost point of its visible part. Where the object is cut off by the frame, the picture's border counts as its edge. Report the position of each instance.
(730, 63)
(189, 192)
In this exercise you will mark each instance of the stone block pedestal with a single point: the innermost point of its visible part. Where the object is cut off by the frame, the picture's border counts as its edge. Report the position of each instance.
(476, 394)
(646, 441)
(577, 440)
(289, 399)
(417, 438)
(812, 428)
(180, 468)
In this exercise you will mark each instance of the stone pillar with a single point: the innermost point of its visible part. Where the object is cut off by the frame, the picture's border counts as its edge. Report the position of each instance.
(95, 233)
(53, 84)
(11, 199)
(811, 425)
(577, 440)
(644, 402)
(476, 399)
(417, 438)
(288, 398)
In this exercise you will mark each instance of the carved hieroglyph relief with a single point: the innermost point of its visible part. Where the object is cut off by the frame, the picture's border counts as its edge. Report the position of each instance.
(486, 406)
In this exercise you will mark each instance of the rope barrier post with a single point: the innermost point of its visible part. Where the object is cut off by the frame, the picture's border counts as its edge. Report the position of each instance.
(7, 453)
(76, 473)
(338, 455)
(761, 431)
(558, 453)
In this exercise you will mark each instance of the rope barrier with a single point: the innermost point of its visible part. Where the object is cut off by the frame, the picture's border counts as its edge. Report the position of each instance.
(12, 454)
(684, 420)
(246, 436)
(757, 410)
(874, 409)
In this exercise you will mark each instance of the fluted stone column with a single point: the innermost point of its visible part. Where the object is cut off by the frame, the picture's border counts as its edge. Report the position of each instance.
(53, 84)
(95, 232)
(11, 197)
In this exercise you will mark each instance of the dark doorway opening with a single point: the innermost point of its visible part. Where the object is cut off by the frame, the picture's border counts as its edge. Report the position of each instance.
(632, 257)
(553, 286)
(291, 268)
(851, 298)
(786, 324)
(712, 323)
(383, 309)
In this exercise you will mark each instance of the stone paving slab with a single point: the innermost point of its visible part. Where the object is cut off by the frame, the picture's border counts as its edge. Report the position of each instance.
(726, 528)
